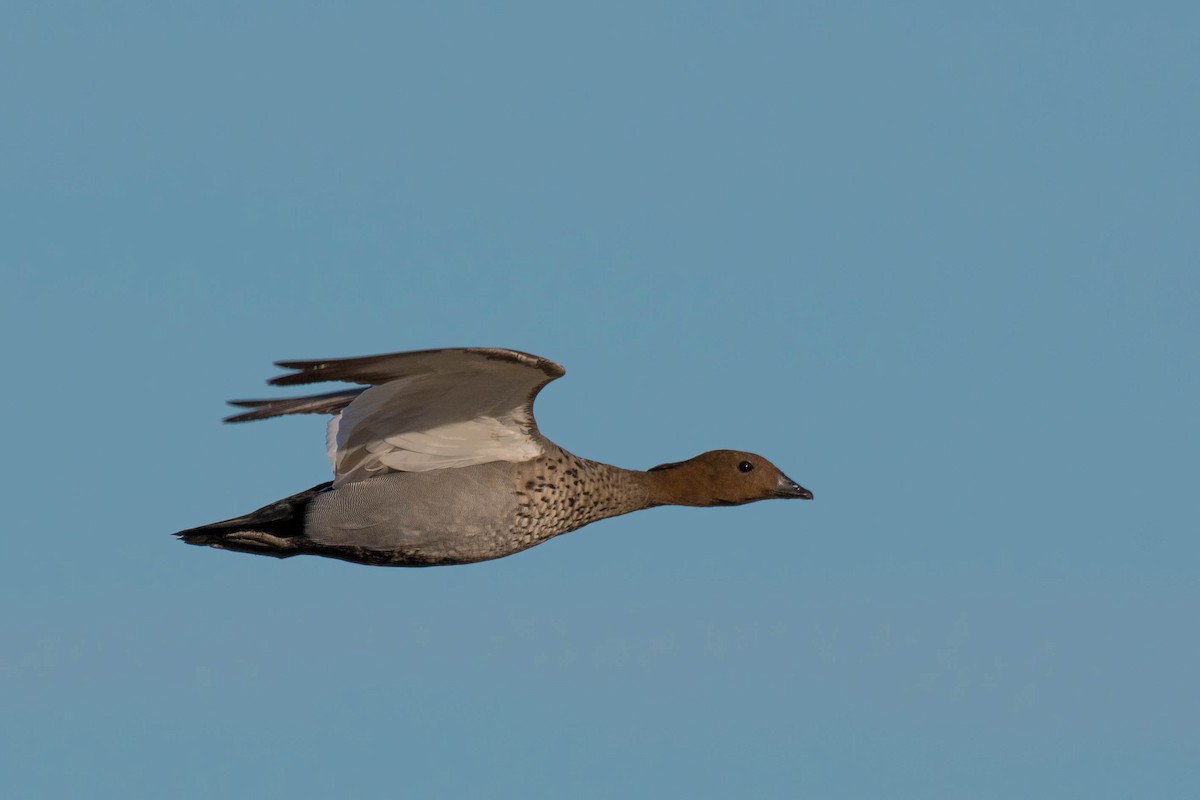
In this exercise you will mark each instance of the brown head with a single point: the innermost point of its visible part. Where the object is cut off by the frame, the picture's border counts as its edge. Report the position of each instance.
(720, 478)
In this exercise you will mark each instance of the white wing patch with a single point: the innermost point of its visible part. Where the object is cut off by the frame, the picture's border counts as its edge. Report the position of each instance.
(458, 444)
(428, 422)
(331, 433)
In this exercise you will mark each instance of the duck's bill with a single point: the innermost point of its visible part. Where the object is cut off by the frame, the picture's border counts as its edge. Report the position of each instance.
(789, 488)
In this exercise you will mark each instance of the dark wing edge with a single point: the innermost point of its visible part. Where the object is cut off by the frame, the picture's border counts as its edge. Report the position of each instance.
(372, 371)
(379, 369)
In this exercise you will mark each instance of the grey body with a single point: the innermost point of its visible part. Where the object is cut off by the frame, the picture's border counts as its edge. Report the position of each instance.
(440, 517)
(445, 516)
(475, 513)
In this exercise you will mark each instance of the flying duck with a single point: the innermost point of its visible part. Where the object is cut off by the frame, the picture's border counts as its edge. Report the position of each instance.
(437, 460)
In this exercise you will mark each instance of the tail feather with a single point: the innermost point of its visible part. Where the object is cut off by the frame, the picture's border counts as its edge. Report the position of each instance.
(274, 530)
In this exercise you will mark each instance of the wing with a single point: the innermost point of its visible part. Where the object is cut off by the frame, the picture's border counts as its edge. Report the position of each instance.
(422, 410)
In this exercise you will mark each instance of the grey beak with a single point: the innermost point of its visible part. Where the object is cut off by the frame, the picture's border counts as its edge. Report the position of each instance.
(789, 488)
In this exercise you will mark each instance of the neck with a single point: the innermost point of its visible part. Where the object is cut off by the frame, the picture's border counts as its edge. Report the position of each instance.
(646, 489)
(605, 490)
(675, 486)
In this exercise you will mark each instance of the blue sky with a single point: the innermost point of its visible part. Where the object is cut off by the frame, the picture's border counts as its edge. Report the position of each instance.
(938, 261)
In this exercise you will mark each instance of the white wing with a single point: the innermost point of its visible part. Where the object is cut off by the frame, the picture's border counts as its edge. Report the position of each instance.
(423, 410)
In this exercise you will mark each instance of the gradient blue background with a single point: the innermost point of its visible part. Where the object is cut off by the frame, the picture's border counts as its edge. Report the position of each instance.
(939, 261)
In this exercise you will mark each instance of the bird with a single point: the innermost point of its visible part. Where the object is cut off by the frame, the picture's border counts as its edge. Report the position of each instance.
(437, 460)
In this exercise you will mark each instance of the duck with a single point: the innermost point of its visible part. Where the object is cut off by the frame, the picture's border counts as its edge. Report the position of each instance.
(437, 460)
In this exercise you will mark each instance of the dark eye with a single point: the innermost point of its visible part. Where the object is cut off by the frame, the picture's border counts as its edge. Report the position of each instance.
(745, 466)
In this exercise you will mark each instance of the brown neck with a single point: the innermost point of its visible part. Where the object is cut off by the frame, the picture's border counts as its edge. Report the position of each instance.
(676, 486)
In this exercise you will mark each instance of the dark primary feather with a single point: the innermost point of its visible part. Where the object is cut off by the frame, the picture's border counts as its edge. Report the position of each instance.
(330, 403)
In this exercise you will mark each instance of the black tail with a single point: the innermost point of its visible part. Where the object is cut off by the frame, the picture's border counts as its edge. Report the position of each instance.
(273, 530)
